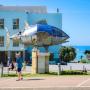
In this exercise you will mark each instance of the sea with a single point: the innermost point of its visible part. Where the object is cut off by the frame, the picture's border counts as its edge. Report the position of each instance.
(80, 51)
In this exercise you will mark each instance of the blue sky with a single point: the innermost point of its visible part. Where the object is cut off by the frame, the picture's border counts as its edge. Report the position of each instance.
(75, 16)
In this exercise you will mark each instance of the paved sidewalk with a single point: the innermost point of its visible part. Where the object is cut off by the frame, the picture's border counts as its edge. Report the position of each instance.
(47, 83)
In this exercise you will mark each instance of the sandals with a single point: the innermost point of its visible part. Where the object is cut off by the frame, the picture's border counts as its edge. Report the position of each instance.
(19, 79)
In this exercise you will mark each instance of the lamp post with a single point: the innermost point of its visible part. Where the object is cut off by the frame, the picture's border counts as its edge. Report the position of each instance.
(23, 50)
(1, 69)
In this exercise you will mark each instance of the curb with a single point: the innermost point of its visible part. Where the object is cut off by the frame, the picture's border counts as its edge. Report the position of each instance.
(46, 88)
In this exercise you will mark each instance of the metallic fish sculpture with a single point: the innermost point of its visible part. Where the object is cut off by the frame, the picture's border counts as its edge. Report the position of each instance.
(41, 35)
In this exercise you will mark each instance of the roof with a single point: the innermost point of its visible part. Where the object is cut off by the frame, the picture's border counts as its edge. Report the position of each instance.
(32, 9)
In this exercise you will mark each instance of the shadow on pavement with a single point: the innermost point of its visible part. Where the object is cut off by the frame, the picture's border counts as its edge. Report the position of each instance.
(32, 79)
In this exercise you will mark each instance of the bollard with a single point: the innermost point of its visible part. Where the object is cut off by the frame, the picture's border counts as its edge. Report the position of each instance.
(83, 68)
(1, 70)
(71, 68)
(59, 68)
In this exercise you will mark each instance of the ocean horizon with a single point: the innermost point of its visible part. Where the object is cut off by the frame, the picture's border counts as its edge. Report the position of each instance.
(55, 49)
(80, 51)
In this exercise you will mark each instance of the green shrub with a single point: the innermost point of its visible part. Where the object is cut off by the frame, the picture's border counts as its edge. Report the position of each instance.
(84, 61)
(73, 72)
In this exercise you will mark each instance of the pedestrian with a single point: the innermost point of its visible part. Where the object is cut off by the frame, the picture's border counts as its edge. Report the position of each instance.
(19, 62)
(11, 66)
(9, 61)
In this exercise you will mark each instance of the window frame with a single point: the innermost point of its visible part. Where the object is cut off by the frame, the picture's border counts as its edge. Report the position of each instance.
(15, 23)
(1, 41)
(2, 23)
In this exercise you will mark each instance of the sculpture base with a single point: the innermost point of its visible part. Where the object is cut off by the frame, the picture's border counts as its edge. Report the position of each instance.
(40, 62)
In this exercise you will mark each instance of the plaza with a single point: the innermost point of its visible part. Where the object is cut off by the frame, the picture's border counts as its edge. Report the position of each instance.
(16, 18)
(47, 83)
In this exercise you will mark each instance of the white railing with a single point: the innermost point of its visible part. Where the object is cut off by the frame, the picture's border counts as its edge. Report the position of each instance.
(70, 66)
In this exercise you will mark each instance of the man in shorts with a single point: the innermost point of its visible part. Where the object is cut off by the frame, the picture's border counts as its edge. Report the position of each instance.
(19, 61)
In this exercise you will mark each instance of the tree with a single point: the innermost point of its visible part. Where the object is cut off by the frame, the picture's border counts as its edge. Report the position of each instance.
(51, 56)
(87, 53)
(67, 54)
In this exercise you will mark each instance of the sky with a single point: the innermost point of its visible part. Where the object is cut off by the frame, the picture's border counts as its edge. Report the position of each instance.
(75, 16)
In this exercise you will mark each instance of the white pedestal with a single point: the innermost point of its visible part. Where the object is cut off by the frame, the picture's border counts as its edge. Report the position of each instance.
(40, 62)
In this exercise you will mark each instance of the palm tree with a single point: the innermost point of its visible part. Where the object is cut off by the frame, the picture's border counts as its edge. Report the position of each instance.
(67, 54)
(87, 53)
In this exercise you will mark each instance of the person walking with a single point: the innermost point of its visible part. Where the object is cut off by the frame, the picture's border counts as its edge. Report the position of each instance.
(19, 62)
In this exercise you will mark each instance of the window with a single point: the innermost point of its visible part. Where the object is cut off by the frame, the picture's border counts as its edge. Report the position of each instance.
(1, 23)
(1, 41)
(15, 23)
(15, 43)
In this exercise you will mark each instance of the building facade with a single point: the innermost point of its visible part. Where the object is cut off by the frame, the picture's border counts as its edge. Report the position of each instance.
(14, 17)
